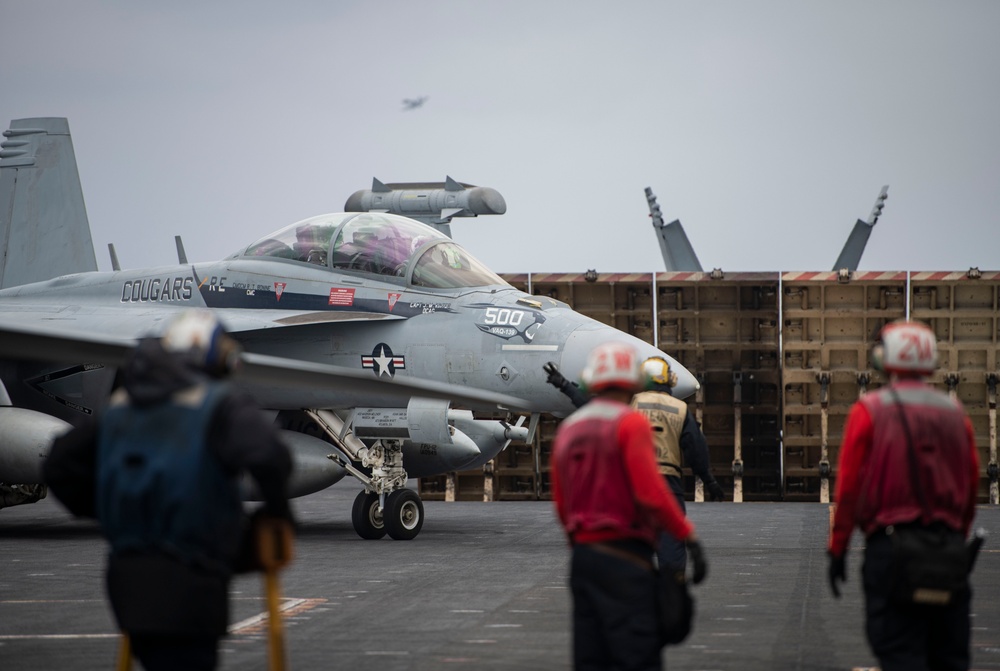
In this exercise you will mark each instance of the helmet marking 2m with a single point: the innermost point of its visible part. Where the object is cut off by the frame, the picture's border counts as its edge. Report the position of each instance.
(612, 364)
(905, 347)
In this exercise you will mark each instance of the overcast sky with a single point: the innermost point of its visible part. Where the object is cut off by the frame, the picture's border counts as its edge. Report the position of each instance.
(766, 127)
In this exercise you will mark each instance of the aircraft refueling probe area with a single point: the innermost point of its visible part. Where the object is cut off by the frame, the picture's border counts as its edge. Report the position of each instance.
(400, 368)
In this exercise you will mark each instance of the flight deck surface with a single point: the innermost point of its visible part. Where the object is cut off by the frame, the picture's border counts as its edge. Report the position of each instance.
(484, 586)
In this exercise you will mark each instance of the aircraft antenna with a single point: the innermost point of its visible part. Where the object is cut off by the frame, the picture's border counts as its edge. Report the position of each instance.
(182, 257)
(114, 257)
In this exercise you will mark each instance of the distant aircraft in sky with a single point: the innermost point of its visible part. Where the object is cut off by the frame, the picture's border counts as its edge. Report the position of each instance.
(413, 103)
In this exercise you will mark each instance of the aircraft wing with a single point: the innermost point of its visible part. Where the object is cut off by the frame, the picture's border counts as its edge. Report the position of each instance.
(135, 323)
(49, 344)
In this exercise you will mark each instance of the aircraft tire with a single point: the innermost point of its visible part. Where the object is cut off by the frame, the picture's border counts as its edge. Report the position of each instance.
(368, 522)
(404, 514)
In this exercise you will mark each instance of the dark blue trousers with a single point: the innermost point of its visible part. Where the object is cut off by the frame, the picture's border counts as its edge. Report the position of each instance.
(615, 621)
(670, 552)
(170, 653)
(914, 638)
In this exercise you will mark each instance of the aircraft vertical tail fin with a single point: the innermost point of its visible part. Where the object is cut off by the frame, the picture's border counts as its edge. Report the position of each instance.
(850, 255)
(44, 230)
(678, 254)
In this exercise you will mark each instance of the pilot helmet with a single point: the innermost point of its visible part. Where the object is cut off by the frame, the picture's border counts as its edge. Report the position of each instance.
(612, 364)
(657, 371)
(366, 233)
(198, 337)
(905, 347)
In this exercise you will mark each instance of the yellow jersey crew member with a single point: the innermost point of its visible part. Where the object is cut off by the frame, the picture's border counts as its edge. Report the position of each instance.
(675, 433)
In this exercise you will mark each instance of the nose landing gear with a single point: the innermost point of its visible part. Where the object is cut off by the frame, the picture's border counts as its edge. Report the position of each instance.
(401, 517)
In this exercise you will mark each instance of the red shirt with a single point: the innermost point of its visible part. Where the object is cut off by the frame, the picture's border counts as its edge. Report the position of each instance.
(605, 481)
(873, 493)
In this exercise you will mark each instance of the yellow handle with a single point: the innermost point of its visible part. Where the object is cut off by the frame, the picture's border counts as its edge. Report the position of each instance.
(275, 547)
(124, 654)
(276, 634)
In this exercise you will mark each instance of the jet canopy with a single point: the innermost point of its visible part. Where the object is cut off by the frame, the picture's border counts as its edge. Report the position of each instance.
(376, 243)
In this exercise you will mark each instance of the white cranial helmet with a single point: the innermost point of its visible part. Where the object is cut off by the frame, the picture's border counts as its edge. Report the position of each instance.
(199, 336)
(612, 364)
(905, 347)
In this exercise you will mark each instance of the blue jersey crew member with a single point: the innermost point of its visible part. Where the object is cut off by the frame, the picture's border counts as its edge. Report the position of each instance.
(612, 503)
(160, 471)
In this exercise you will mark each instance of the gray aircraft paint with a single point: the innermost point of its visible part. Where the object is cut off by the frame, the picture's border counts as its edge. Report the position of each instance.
(317, 335)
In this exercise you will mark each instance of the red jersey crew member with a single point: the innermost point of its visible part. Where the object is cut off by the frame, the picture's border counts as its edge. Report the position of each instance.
(908, 458)
(612, 503)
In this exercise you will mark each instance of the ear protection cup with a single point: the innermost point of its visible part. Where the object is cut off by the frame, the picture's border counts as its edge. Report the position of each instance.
(656, 371)
(224, 355)
(878, 356)
(905, 348)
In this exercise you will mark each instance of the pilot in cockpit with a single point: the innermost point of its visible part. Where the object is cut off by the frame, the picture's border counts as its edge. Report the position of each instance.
(311, 245)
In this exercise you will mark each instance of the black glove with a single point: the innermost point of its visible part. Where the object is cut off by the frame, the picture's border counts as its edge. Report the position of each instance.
(279, 508)
(837, 573)
(697, 556)
(555, 378)
(248, 556)
(715, 492)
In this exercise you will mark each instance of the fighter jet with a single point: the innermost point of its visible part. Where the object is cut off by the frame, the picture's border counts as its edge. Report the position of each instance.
(376, 341)
(413, 103)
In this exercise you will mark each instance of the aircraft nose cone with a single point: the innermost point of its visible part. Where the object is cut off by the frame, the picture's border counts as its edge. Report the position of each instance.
(580, 343)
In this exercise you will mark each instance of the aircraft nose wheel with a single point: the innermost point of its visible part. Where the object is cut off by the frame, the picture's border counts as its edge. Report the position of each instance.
(403, 514)
(368, 520)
